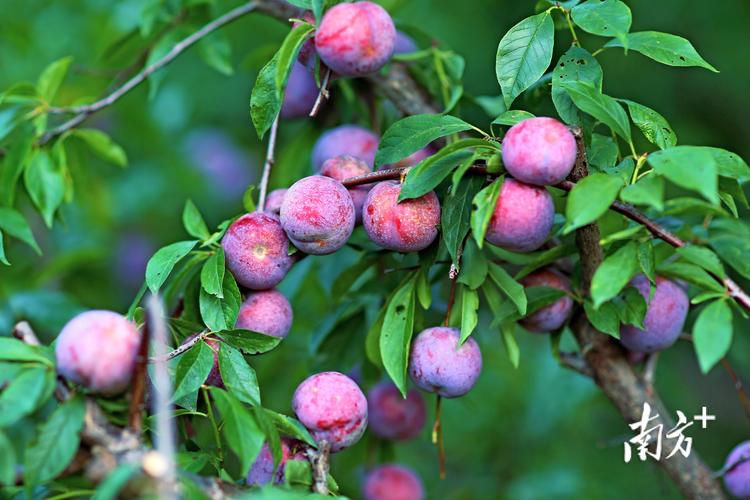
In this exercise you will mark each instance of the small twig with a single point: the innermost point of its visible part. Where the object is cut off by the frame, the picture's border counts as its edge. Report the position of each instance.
(738, 386)
(180, 349)
(23, 332)
(84, 111)
(319, 460)
(323, 93)
(270, 154)
(139, 380)
(437, 435)
(649, 372)
(164, 435)
(576, 362)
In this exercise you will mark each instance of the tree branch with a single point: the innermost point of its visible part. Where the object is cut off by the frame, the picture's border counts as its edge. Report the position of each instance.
(615, 375)
(270, 152)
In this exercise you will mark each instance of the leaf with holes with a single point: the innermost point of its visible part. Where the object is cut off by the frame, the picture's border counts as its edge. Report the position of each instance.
(665, 48)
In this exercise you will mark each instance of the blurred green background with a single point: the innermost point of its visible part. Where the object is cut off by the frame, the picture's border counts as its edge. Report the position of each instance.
(534, 432)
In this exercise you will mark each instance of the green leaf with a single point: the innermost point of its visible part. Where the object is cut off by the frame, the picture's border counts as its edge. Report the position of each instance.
(654, 126)
(729, 164)
(14, 224)
(604, 319)
(647, 261)
(647, 191)
(691, 167)
(576, 64)
(51, 78)
(734, 250)
(193, 222)
(264, 103)
(413, 133)
(712, 334)
(45, 183)
(16, 350)
(456, 214)
(241, 431)
(56, 443)
(474, 266)
(431, 171)
(482, 208)
(692, 274)
(25, 393)
(16, 158)
(610, 18)
(396, 333)
(511, 117)
(116, 481)
(631, 307)
(614, 273)
(193, 367)
(238, 376)
(102, 145)
(249, 342)
(704, 258)
(7, 461)
(221, 314)
(3, 258)
(161, 264)
(524, 53)
(602, 152)
(212, 274)
(510, 287)
(604, 108)
(290, 427)
(287, 54)
(469, 302)
(248, 199)
(216, 51)
(508, 334)
(590, 199)
(665, 48)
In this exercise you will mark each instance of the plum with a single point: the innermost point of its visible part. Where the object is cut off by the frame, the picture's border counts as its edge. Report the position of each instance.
(408, 226)
(98, 349)
(355, 39)
(665, 316)
(523, 217)
(257, 250)
(345, 167)
(300, 93)
(393, 417)
(551, 317)
(267, 312)
(540, 151)
(737, 466)
(351, 140)
(333, 408)
(318, 214)
(262, 470)
(438, 364)
(274, 199)
(392, 482)
(404, 43)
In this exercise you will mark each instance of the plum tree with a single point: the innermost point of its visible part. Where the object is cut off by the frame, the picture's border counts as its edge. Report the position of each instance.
(392, 482)
(318, 214)
(539, 151)
(408, 226)
(333, 408)
(665, 316)
(737, 467)
(523, 217)
(98, 349)
(263, 471)
(344, 167)
(392, 416)
(266, 311)
(551, 317)
(439, 364)
(274, 199)
(351, 140)
(355, 39)
(257, 250)
(300, 94)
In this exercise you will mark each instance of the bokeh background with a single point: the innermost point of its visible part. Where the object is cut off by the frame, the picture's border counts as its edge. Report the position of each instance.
(534, 432)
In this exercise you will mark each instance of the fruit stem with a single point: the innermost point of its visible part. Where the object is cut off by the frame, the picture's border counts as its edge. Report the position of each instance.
(322, 94)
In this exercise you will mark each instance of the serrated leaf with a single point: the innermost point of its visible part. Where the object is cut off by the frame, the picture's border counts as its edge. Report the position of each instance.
(654, 126)
(240, 430)
(604, 108)
(609, 18)
(665, 48)
(482, 208)
(102, 145)
(396, 333)
(163, 261)
(524, 53)
(238, 376)
(56, 443)
(589, 199)
(647, 191)
(712, 334)
(614, 273)
(192, 369)
(576, 64)
(510, 287)
(691, 167)
(410, 134)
